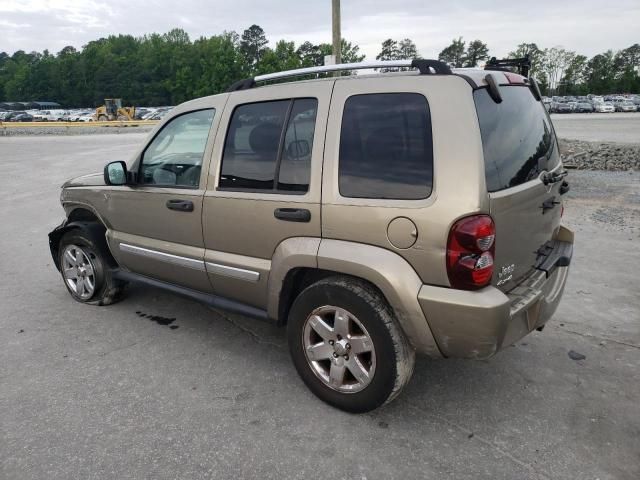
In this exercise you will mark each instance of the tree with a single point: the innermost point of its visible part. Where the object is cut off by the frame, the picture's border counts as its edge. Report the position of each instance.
(252, 45)
(555, 62)
(169, 68)
(349, 52)
(454, 54)
(600, 72)
(407, 50)
(626, 64)
(283, 57)
(574, 78)
(477, 51)
(310, 55)
(390, 50)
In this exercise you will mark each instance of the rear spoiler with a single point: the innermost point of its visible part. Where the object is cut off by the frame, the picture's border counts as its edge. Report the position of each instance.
(523, 66)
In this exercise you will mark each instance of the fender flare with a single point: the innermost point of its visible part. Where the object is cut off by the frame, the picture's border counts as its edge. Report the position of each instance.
(94, 230)
(386, 270)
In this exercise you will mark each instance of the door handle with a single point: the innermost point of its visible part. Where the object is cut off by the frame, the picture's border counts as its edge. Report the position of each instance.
(292, 214)
(180, 205)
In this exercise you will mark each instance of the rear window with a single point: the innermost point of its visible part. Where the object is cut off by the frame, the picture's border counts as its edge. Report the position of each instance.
(386, 148)
(517, 137)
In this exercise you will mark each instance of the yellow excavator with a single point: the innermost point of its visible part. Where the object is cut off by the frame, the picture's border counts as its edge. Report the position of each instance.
(113, 110)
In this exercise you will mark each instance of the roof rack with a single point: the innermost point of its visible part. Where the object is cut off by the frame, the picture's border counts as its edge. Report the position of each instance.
(523, 64)
(425, 67)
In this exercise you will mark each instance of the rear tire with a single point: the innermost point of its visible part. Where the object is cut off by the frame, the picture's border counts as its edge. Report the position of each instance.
(85, 272)
(347, 346)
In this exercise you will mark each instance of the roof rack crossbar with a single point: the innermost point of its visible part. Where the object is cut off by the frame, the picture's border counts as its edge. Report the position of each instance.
(523, 64)
(438, 67)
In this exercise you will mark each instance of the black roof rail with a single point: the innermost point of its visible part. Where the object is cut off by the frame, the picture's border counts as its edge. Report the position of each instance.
(244, 84)
(425, 66)
(505, 64)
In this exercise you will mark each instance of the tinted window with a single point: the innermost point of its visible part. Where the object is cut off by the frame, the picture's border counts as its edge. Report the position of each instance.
(174, 156)
(295, 165)
(517, 137)
(386, 147)
(256, 152)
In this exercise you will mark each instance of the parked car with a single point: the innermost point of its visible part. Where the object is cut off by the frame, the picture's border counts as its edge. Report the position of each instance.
(604, 107)
(141, 112)
(561, 107)
(393, 258)
(625, 106)
(584, 107)
(18, 116)
(573, 105)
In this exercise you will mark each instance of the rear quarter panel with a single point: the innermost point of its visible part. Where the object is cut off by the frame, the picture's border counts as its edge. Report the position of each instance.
(458, 177)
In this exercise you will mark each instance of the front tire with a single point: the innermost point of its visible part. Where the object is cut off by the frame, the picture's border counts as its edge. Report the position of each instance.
(347, 345)
(85, 272)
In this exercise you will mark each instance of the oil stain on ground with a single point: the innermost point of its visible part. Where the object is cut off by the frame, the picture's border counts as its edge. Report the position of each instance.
(160, 320)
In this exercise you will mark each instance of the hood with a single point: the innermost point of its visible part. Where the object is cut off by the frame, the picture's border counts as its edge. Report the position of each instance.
(91, 180)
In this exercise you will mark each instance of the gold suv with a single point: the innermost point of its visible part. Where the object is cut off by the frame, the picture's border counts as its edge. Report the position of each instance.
(374, 215)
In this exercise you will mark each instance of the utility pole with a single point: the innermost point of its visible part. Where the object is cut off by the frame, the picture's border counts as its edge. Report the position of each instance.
(337, 37)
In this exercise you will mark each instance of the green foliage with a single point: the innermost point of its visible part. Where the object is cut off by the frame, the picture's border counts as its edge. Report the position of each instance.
(477, 51)
(167, 69)
(398, 50)
(454, 54)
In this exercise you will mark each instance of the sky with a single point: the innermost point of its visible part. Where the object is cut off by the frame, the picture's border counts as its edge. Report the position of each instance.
(586, 26)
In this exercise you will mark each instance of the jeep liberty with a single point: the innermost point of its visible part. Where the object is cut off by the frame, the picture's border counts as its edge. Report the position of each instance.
(375, 216)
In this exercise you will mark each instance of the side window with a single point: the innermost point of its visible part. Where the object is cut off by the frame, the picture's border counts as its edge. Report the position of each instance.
(174, 157)
(386, 147)
(268, 146)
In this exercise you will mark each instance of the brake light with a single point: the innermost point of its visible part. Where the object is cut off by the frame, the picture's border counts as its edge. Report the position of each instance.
(514, 78)
(470, 252)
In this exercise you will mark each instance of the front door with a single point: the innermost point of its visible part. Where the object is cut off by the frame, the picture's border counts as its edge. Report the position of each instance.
(264, 184)
(156, 227)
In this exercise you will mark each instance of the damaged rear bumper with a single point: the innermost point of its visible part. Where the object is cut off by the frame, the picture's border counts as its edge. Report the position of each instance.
(476, 324)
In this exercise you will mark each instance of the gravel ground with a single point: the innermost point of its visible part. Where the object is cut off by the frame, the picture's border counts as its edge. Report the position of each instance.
(100, 392)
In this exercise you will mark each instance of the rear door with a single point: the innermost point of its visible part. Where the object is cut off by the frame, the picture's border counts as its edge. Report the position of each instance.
(519, 145)
(264, 184)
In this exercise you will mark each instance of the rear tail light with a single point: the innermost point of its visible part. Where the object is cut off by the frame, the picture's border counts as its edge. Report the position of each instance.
(470, 252)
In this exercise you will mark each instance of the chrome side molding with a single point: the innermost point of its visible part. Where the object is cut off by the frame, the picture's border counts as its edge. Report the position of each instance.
(233, 272)
(164, 257)
(213, 268)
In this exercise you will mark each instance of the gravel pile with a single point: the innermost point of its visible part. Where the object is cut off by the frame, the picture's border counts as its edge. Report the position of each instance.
(84, 130)
(600, 156)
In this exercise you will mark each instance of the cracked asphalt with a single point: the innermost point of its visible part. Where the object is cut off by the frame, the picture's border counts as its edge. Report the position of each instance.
(107, 393)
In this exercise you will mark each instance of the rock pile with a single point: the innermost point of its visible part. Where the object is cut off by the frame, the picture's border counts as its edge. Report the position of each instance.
(600, 156)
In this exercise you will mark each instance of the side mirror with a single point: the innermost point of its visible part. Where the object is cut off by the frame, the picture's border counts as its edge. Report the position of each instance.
(115, 173)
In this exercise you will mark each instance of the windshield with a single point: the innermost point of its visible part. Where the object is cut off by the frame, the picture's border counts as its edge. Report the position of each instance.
(517, 137)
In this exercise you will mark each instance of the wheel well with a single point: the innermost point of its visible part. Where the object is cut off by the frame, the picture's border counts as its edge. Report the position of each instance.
(88, 222)
(298, 279)
(83, 215)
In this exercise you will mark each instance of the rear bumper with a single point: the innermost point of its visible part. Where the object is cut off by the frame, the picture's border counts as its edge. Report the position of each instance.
(477, 324)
